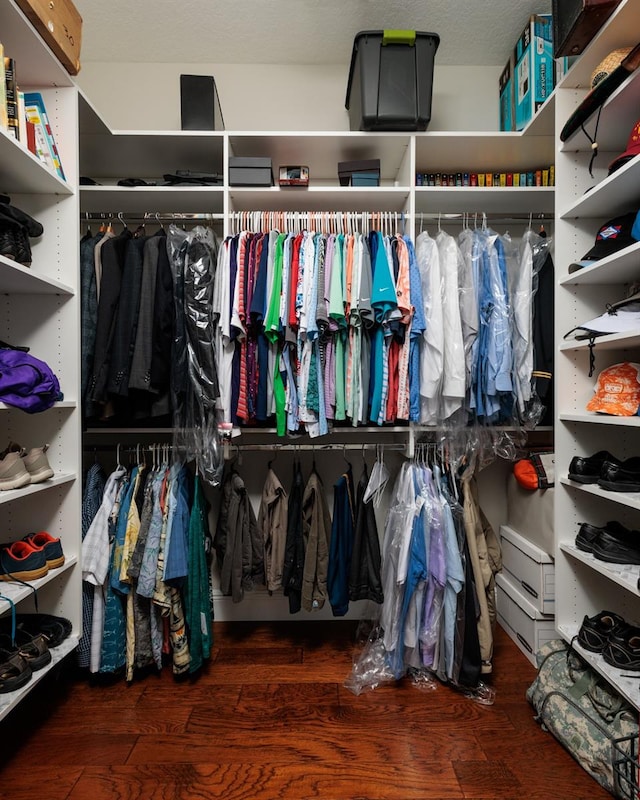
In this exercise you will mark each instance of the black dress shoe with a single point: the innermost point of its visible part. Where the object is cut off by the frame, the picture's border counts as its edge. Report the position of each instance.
(617, 544)
(616, 476)
(587, 469)
(586, 536)
(622, 649)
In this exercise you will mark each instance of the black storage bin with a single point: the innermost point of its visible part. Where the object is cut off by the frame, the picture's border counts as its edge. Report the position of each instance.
(391, 80)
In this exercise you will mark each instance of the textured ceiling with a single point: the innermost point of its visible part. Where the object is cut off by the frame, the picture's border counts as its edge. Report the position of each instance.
(472, 32)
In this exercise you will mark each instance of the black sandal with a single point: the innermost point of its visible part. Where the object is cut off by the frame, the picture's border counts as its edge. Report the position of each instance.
(14, 671)
(33, 649)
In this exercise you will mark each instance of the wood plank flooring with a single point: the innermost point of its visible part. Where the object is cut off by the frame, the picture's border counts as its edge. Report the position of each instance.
(270, 719)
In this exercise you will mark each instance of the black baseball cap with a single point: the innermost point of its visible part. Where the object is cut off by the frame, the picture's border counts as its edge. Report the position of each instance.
(614, 235)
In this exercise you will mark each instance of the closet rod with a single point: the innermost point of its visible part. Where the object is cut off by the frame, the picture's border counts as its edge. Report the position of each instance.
(317, 447)
(148, 216)
(462, 216)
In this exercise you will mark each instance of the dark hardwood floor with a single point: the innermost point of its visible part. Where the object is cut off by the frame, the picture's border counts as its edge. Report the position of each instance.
(270, 719)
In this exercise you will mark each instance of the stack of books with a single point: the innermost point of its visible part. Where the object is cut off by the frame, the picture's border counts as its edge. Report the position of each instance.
(23, 116)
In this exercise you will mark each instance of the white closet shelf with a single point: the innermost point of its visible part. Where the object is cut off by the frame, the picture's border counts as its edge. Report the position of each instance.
(319, 198)
(612, 341)
(486, 151)
(17, 591)
(627, 687)
(60, 404)
(622, 267)
(58, 479)
(491, 199)
(622, 29)
(619, 114)
(321, 151)
(601, 419)
(21, 172)
(138, 154)
(625, 575)
(161, 199)
(616, 194)
(10, 700)
(629, 499)
(18, 279)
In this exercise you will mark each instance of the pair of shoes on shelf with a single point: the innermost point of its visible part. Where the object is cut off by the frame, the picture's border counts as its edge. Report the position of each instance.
(53, 628)
(20, 467)
(33, 648)
(30, 558)
(615, 639)
(612, 543)
(16, 228)
(608, 471)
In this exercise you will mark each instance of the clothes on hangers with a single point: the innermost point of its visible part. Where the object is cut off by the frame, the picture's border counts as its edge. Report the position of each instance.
(145, 556)
(439, 560)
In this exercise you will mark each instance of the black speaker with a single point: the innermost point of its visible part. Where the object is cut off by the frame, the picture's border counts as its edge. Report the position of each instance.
(576, 22)
(199, 104)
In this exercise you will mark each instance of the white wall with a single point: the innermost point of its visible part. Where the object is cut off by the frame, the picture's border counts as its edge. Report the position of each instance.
(273, 97)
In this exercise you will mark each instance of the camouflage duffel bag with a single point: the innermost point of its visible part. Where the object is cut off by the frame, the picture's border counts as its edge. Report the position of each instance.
(587, 716)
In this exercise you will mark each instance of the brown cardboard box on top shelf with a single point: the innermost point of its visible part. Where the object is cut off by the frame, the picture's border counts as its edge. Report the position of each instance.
(60, 25)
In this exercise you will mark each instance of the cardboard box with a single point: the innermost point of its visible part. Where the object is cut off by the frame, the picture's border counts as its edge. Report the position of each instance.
(528, 628)
(531, 513)
(60, 25)
(529, 568)
(534, 68)
(507, 99)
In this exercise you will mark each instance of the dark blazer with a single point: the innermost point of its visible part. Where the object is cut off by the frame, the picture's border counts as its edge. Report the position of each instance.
(126, 324)
(113, 252)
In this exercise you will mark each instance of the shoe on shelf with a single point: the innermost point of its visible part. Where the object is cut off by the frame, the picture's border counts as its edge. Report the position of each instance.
(616, 476)
(595, 631)
(622, 649)
(54, 629)
(20, 561)
(587, 469)
(13, 472)
(33, 649)
(50, 546)
(14, 671)
(612, 542)
(586, 536)
(37, 464)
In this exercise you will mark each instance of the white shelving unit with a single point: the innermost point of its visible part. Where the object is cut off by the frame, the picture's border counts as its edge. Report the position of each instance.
(584, 585)
(108, 156)
(39, 308)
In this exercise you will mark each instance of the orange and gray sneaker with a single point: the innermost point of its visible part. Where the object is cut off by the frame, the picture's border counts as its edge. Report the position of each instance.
(20, 561)
(13, 472)
(50, 546)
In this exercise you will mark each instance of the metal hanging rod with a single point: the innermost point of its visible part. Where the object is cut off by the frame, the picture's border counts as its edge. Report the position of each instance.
(149, 216)
(317, 448)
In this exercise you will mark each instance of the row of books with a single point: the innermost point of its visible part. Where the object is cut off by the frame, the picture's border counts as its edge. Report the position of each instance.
(23, 116)
(537, 177)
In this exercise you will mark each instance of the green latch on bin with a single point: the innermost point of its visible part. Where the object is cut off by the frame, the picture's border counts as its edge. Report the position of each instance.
(399, 37)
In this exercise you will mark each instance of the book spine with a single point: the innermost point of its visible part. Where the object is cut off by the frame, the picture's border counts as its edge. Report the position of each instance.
(41, 143)
(12, 97)
(22, 119)
(52, 142)
(4, 121)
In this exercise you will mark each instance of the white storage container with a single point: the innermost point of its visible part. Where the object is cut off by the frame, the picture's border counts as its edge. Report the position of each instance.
(527, 626)
(531, 513)
(530, 568)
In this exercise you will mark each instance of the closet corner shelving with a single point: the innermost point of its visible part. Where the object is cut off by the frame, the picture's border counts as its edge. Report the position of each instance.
(40, 309)
(585, 586)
